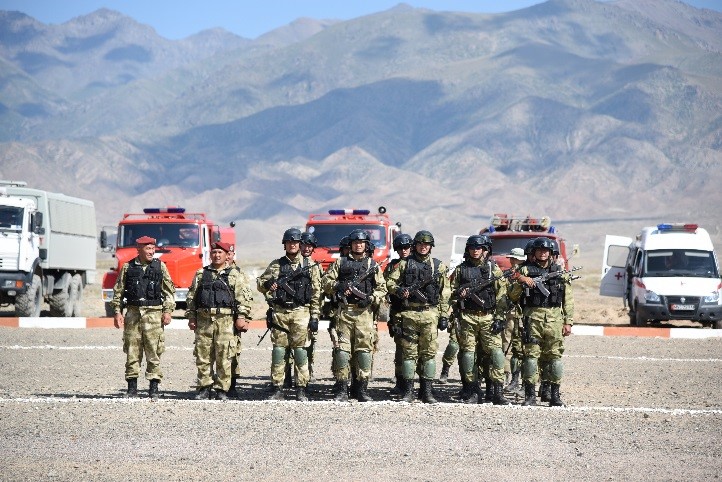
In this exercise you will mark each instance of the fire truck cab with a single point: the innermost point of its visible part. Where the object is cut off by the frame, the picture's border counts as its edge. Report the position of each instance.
(183, 243)
(330, 227)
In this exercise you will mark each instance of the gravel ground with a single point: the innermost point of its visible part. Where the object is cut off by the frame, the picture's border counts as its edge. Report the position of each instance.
(637, 409)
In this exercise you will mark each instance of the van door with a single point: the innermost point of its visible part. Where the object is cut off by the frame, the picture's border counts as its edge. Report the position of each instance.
(205, 245)
(616, 252)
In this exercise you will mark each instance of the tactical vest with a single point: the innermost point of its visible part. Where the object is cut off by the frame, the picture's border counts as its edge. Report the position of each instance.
(143, 287)
(425, 277)
(483, 299)
(299, 282)
(214, 293)
(534, 298)
(350, 270)
(396, 304)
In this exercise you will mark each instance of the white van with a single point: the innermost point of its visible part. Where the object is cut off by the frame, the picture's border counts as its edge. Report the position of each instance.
(668, 272)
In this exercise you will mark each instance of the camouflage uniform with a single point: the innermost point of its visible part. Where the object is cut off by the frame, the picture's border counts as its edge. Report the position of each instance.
(216, 343)
(545, 317)
(292, 314)
(420, 319)
(143, 332)
(354, 318)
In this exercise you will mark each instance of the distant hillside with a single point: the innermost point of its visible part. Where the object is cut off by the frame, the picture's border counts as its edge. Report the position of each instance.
(573, 108)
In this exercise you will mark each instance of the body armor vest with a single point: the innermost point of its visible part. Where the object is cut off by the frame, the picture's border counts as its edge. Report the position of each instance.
(143, 287)
(351, 269)
(215, 293)
(534, 298)
(420, 276)
(483, 299)
(299, 282)
(396, 304)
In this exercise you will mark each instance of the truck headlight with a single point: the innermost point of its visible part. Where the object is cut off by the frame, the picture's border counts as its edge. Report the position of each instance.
(651, 297)
(711, 299)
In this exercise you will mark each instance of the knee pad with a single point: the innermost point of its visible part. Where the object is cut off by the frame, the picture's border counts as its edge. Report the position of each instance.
(451, 350)
(300, 356)
(497, 359)
(278, 355)
(407, 369)
(529, 368)
(467, 359)
(341, 359)
(556, 369)
(428, 369)
(363, 360)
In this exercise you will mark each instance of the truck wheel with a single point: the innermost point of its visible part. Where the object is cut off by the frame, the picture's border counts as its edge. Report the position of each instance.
(60, 303)
(30, 302)
(717, 325)
(109, 310)
(75, 293)
(638, 320)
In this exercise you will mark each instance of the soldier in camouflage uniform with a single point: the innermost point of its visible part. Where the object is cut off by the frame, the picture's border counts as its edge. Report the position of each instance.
(511, 336)
(144, 286)
(357, 285)
(308, 245)
(402, 245)
(421, 282)
(479, 291)
(218, 301)
(292, 287)
(548, 319)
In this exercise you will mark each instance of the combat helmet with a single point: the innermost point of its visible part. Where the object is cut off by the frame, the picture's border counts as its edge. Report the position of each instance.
(291, 234)
(309, 238)
(402, 240)
(543, 242)
(479, 241)
(424, 237)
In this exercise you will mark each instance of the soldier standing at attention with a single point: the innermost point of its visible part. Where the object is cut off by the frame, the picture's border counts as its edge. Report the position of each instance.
(218, 300)
(292, 287)
(145, 287)
(421, 282)
(548, 318)
(511, 336)
(479, 290)
(357, 284)
(402, 245)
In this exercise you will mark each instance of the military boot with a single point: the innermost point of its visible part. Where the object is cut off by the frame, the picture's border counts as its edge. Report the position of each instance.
(514, 383)
(544, 391)
(554, 398)
(232, 391)
(469, 391)
(221, 395)
(153, 390)
(353, 389)
(301, 395)
(277, 393)
(427, 395)
(362, 394)
(488, 392)
(398, 386)
(529, 395)
(132, 388)
(499, 398)
(203, 393)
(408, 391)
(288, 377)
(340, 390)
(444, 377)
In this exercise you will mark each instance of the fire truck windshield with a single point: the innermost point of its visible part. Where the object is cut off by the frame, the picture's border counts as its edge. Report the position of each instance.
(329, 235)
(165, 234)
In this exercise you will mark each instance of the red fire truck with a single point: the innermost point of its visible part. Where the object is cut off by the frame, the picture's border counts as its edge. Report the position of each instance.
(183, 244)
(330, 227)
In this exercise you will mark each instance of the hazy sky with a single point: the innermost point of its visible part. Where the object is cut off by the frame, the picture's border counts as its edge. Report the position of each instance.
(176, 19)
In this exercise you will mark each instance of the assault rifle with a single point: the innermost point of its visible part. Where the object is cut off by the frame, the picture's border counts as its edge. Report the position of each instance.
(539, 280)
(353, 286)
(470, 289)
(271, 324)
(416, 289)
(283, 281)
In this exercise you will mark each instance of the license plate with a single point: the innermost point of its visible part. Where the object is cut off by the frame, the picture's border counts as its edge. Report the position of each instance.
(682, 307)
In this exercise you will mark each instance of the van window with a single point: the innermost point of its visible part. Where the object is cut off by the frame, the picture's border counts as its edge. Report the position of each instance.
(680, 262)
(617, 256)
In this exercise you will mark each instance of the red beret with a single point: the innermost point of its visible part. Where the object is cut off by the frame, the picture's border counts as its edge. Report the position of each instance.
(145, 240)
(220, 245)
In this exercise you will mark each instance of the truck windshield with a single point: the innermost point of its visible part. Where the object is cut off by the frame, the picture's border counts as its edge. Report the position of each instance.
(11, 218)
(328, 235)
(165, 234)
(680, 262)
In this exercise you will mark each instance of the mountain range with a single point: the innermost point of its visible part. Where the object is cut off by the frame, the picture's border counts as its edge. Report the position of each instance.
(576, 109)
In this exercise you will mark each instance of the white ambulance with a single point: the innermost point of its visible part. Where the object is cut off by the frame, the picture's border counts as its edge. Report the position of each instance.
(668, 272)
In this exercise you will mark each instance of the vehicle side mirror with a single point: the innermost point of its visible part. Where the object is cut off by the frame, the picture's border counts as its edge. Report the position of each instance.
(36, 223)
(103, 239)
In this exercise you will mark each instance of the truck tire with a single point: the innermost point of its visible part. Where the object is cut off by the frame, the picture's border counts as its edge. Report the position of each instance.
(60, 303)
(30, 302)
(717, 325)
(638, 320)
(76, 295)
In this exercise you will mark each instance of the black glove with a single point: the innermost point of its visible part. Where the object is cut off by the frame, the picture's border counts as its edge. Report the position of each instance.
(269, 318)
(443, 323)
(268, 283)
(395, 330)
(364, 303)
(313, 324)
(498, 325)
(403, 292)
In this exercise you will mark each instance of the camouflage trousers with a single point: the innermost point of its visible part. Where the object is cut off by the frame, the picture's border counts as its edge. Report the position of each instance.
(235, 361)
(419, 343)
(143, 334)
(356, 334)
(544, 351)
(216, 346)
(296, 322)
(452, 347)
(480, 348)
(511, 342)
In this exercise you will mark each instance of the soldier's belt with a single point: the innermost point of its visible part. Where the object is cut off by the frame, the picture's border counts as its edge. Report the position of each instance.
(288, 309)
(158, 306)
(216, 311)
(419, 308)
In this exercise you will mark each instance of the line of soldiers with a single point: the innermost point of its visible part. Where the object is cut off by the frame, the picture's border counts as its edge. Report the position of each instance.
(474, 304)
